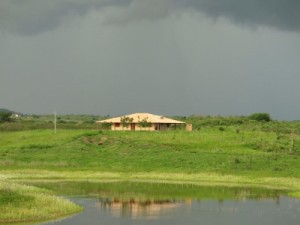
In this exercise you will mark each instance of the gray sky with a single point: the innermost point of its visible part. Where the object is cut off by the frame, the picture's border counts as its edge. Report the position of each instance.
(170, 57)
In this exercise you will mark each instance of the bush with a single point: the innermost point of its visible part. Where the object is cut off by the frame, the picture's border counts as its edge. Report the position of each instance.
(260, 117)
(221, 129)
(5, 116)
(105, 126)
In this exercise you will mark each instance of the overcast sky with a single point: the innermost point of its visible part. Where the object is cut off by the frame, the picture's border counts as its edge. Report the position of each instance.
(168, 57)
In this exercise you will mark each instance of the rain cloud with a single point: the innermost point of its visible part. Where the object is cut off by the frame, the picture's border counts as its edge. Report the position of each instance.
(280, 14)
(30, 17)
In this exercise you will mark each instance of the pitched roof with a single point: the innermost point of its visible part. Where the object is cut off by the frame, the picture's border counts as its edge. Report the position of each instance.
(137, 117)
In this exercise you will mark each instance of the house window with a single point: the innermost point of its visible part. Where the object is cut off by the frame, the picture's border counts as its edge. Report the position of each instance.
(117, 124)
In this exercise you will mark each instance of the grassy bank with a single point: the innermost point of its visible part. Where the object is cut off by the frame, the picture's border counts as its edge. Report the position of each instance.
(26, 203)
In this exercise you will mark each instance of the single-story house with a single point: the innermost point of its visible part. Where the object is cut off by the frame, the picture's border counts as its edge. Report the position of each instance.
(140, 121)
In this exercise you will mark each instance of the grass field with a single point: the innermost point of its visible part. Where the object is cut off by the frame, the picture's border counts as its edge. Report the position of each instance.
(227, 151)
(246, 152)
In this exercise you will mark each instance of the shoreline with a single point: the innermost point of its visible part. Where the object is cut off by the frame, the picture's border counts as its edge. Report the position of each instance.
(18, 176)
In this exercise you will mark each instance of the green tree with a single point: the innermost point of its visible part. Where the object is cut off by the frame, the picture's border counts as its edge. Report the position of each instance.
(125, 121)
(5, 116)
(144, 123)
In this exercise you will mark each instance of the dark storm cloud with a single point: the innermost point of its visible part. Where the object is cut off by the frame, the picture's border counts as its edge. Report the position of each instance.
(281, 14)
(29, 17)
(139, 10)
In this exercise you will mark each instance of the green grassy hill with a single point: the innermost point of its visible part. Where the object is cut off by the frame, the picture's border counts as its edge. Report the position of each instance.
(260, 149)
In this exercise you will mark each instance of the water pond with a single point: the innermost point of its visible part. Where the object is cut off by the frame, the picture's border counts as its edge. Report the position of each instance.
(136, 203)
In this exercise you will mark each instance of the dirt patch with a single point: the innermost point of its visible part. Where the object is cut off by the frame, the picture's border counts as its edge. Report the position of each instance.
(95, 140)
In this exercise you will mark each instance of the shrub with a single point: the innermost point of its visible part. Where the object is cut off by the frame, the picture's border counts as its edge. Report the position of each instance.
(221, 129)
(260, 117)
(237, 161)
(105, 126)
(5, 116)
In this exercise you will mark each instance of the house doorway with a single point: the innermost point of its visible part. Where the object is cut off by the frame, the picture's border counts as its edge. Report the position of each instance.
(157, 127)
(132, 126)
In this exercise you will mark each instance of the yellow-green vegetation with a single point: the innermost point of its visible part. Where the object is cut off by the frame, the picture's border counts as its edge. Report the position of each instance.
(26, 203)
(220, 151)
(207, 179)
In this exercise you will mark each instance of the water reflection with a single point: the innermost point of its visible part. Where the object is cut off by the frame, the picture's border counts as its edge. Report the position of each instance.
(147, 209)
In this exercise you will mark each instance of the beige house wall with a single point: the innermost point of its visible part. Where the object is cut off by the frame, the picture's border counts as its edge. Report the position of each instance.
(164, 126)
(189, 127)
(113, 127)
(136, 127)
(152, 128)
(130, 127)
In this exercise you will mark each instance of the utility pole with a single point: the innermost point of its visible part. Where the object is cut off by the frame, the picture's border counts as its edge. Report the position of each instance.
(55, 122)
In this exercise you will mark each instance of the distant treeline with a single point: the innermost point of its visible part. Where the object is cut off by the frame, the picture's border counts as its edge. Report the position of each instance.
(31, 122)
(255, 121)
